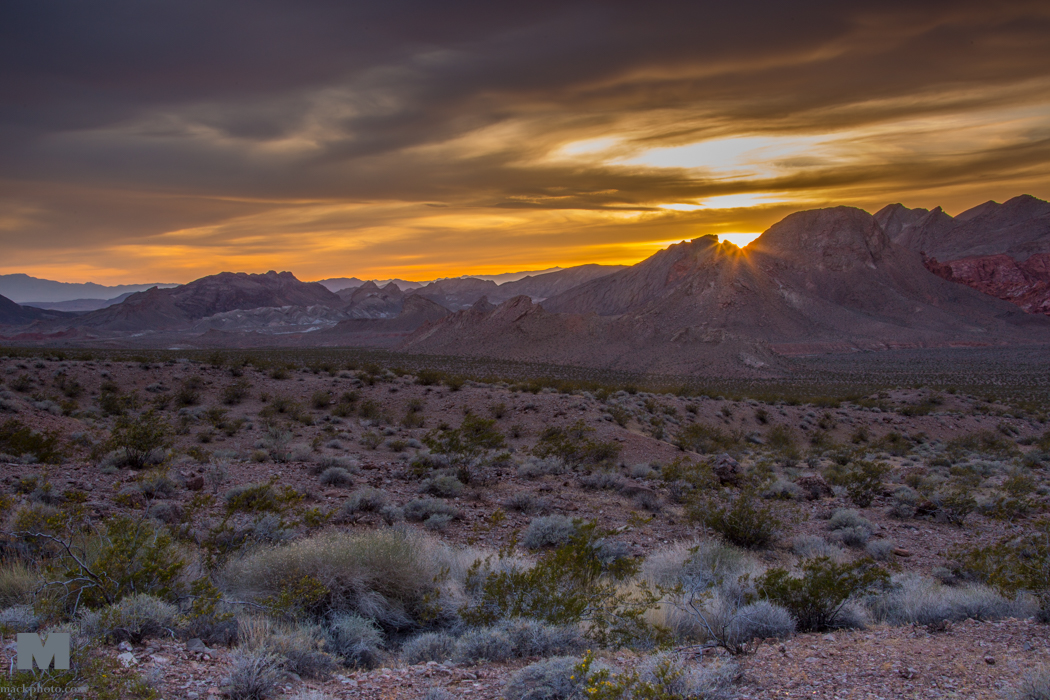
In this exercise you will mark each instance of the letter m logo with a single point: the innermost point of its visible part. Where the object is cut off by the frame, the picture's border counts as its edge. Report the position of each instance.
(31, 648)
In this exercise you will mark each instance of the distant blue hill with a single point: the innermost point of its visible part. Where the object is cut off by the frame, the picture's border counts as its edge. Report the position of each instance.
(21, 288)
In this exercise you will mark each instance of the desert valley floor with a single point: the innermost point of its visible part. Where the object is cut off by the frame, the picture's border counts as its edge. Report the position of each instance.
(264, 455)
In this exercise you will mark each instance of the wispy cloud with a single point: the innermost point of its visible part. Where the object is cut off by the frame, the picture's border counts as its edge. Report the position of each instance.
(178, 139)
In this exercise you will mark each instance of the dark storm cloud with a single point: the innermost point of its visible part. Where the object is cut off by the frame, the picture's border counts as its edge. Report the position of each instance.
(189, 114)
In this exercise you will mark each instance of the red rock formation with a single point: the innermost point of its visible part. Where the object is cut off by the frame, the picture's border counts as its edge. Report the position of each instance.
(1025, 283)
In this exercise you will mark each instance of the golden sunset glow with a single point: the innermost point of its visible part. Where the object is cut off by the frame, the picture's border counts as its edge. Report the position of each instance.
(496, 143)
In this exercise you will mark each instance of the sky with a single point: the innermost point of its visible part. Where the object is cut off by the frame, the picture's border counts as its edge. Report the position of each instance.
(156, 141)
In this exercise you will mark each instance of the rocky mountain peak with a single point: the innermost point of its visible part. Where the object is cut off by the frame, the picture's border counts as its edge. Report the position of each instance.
(893, 218)
(837, 238)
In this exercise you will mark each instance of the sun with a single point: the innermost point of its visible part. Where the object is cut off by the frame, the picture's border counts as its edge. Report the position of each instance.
(738, 239)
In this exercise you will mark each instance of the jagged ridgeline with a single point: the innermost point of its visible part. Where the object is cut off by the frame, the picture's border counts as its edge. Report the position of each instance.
(836, 280)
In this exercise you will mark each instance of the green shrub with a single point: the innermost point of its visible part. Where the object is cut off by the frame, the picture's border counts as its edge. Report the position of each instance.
(207, 617)
(817, 597)
(620, 415)
(698, 475)
(321, 399)
(1014, 564)
(189, 393)
(574, 446)
(429, 377)
(124, 557)
(954, 505)
(260, 497)
(743, 520)
(704, 439)
(345, 405)
(569, 585)
(863, 481)
(371, 439)
(237, 392)
(471, 440)
(113, 402)
(421, 509)
(369, 409)
(442, 486)
(895, 444)
(664, 676)
(18, 440)
(781, 437)
(986, 442)
(136, 438)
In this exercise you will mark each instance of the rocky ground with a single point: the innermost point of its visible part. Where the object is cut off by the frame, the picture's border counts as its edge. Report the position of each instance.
(293, 424)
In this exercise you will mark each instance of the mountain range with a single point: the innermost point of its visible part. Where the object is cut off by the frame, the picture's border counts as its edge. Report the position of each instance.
(24, 289)
(826, 280)
(829, 280)
(999, 249)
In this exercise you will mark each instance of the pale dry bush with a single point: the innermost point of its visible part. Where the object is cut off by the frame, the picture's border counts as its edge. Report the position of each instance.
(132, 619)
(483, 644)
(698, 565)
(438, 694)
(358, 641)
(548, 531)
(847, 517)
(1035, 685)
(300, 648)
(552, 679)
(854, 537)
(389, 576)
(880, 550)
(254, 676)
(429, 646)
(17, 583)
(382, 575)
(715, 579)
(916, 599)
(812, 546)
(535, 638)
(19, 618)
(703, 682)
